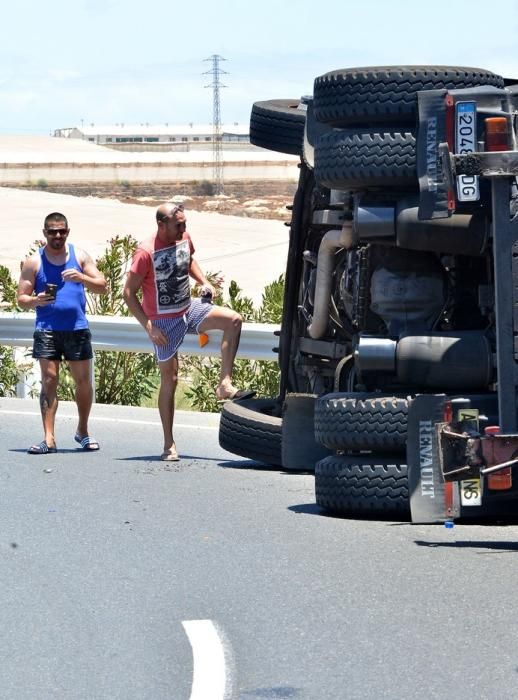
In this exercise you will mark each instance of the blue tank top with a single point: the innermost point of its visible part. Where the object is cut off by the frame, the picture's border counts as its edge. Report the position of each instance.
(67, 313)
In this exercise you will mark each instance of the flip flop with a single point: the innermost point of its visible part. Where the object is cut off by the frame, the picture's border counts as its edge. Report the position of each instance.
(41, 449)
(171, 455)
(88, 444)
(239, 395)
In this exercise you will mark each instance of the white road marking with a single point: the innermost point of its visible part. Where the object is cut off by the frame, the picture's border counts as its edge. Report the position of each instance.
(115, 420)
(209, 676)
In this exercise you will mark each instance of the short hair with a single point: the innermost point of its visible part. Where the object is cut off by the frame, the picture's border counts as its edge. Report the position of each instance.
(160, 216)
(163, 216)
(55, 216)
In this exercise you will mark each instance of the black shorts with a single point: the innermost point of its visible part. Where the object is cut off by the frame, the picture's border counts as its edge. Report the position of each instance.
(62, 345)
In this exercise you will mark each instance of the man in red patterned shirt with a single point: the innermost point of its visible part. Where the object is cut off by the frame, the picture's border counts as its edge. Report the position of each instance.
(162, 267)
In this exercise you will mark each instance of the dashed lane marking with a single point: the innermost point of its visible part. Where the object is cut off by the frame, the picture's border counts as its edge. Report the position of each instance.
(209, 674)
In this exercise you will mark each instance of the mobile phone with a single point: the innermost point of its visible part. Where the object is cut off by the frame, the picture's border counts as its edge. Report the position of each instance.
(51, 290)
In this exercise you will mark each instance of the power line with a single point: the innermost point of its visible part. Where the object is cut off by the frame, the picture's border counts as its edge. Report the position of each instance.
(217, 160)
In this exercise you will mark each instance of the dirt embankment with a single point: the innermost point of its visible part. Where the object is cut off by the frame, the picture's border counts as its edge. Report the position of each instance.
(258, 199)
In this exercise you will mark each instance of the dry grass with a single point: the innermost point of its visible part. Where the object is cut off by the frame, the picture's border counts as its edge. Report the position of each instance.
(257, 199)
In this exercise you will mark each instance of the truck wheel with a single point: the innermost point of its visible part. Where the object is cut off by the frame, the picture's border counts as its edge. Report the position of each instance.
(387, 94)
(350, 159)
(370, 485)
(278, 125)
(250, 428)
(359, 421)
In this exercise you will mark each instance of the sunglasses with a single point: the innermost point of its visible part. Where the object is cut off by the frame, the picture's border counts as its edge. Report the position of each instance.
(55, 231)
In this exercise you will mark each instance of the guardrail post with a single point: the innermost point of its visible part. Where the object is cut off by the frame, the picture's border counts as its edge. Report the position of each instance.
(21, 387)
(30, 376)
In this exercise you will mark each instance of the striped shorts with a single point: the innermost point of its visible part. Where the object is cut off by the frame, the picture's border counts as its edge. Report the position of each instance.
(175, 329)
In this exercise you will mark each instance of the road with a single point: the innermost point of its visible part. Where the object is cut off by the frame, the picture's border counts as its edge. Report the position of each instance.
(125, 578)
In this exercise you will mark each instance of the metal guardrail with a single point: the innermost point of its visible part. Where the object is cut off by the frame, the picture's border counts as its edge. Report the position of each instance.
(124, 334)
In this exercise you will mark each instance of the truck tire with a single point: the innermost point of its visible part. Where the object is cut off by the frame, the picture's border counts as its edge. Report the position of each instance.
(372, 485)
(361, 421)
(387, 94)
(278, 125)
(349, 159)
(250, 429)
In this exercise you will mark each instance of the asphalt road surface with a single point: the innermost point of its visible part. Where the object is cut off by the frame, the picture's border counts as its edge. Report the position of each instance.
(124, 577)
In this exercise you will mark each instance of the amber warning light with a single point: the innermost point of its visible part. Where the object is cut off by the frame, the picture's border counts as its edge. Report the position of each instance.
(497, 134)
(503, 479)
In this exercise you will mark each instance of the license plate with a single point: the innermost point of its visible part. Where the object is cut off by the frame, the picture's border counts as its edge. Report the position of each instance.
(466, 142)
(471, 492)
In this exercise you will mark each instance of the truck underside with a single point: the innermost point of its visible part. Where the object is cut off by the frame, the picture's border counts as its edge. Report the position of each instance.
(400, 294)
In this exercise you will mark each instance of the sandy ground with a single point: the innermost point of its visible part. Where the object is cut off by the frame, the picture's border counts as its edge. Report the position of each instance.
(250, 251)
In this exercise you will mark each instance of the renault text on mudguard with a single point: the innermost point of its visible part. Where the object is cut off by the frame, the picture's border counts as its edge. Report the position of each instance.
(425, 458)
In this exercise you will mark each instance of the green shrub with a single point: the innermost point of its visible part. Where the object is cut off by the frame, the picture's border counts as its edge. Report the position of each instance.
(8, 290)
(9, 373)
(204, 188)
(270, 310)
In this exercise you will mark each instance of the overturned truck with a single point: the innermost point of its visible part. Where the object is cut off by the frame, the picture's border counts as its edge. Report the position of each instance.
(398, 346)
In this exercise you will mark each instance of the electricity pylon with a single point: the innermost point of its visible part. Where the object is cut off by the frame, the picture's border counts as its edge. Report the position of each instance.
(217, 161)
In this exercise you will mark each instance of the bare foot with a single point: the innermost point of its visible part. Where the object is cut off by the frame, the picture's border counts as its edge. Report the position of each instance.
(239, 394)
(224, 392)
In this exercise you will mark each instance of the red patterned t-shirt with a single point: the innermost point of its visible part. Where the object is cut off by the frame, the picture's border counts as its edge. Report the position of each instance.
(164, 267)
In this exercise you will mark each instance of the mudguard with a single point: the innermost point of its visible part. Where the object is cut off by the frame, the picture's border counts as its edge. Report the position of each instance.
(431, 500)
(433, 186)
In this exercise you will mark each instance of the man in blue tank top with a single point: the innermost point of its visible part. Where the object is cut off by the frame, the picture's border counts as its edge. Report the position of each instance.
(53, 283)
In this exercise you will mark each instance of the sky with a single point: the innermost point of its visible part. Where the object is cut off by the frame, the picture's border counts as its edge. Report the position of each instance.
(68, 63)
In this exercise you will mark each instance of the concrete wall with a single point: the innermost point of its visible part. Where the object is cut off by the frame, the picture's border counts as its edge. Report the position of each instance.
(18, 173)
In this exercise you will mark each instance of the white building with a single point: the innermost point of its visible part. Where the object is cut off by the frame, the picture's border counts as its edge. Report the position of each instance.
(162, 137)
